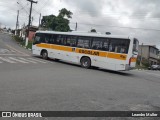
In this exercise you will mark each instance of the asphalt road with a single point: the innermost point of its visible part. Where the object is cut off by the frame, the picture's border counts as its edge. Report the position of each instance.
(28, 83)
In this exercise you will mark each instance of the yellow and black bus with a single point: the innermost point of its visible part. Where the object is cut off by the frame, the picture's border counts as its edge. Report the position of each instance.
(87, 49)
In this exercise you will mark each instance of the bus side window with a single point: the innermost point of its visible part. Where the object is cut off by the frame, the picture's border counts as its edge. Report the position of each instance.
(59, 40)
(119, 45)
(68, 40)
(47, 38)
(41, 38)
(97, 43)
(80, 43)
(106, 45)
(112, 45)
(84, 42)
(73, 41)
(53, 39)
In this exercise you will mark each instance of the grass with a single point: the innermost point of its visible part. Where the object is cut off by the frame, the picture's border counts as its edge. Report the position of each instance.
(29, 46)
(141, 67)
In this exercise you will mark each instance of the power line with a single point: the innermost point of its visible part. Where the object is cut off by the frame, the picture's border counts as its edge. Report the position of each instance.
(119, 17)
(23, 8)
(117, 26)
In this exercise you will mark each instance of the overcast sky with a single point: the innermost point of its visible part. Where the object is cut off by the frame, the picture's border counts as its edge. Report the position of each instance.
(139, 18)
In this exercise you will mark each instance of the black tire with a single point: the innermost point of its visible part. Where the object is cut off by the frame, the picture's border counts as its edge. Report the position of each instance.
(86, 62)
(45, 54)
(56, 59)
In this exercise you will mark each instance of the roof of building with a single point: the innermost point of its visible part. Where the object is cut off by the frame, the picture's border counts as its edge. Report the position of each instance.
(154, 46)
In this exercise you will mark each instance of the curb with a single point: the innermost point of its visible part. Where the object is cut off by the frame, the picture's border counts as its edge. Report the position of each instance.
(140, 69)
(24, 47)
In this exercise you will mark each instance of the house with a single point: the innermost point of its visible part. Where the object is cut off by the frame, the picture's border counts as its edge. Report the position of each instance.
(159, 56)
(149, 53)
(32, 31)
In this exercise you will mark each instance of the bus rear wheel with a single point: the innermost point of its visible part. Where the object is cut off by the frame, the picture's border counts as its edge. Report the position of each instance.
(86, 62)
(45, 54)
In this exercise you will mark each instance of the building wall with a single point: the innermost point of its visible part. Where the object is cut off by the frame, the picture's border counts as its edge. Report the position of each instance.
(145, 51)
(150, 53)
(159, 55)
(31, 35)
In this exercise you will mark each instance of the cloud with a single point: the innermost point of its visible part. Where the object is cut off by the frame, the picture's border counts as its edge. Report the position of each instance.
(98, 14)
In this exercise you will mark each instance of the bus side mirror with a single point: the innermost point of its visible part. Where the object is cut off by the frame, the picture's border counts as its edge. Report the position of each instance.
(135, 53)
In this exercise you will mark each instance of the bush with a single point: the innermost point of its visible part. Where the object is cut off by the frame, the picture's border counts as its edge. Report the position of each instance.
(29, 45)
(19, 40)
(145, 62)
(138, 62)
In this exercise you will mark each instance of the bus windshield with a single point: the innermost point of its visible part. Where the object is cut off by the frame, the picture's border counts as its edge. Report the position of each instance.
(37, 39)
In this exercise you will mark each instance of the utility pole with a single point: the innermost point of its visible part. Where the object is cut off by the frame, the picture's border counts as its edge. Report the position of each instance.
(29, 22)
(17, 23)
(40, 20)
(76, 27)
(141, 55)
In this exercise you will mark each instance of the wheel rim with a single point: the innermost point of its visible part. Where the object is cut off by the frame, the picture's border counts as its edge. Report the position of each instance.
(44, 55)
(85, 63)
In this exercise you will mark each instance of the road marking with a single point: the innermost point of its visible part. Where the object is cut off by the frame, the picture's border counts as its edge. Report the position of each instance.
(17, 50)
(17, 60)
(25, 59)
(4, 50)
(11, 54)
(7, 60)
(37, 60)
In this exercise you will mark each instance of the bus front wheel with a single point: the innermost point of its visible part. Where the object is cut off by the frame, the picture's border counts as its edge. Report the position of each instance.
(86, 62)
(45, 54)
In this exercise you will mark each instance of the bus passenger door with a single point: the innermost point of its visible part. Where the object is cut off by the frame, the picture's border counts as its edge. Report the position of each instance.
(100, 46)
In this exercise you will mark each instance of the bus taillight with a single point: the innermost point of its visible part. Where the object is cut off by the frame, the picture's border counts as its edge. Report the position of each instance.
(130, 61)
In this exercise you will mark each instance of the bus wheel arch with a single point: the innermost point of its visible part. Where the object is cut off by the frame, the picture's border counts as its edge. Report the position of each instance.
(85, 62)
(44, 54)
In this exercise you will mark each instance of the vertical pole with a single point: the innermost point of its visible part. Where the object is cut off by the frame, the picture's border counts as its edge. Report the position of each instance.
(29, 22)
(17, 22)
(76, 27)
(141, 55)
(40, 20)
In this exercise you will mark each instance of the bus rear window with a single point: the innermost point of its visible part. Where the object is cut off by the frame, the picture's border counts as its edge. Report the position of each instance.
(135, 45)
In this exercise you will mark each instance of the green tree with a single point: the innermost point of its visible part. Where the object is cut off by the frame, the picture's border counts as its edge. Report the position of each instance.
(64, 12)
(57, 23)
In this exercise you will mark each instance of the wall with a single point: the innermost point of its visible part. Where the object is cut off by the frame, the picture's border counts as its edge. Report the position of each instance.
(145, 51)
(31, 35)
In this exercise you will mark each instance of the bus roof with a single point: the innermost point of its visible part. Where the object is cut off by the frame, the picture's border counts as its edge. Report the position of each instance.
(89, 34)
